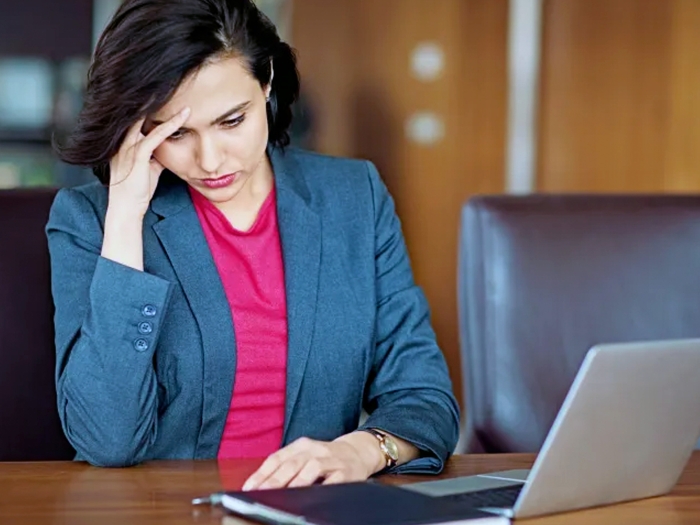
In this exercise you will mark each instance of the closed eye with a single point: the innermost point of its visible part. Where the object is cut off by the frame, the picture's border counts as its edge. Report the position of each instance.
(232, 123)
(177, 135)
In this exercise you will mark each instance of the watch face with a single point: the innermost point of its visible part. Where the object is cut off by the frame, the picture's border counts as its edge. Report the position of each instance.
(391, 449)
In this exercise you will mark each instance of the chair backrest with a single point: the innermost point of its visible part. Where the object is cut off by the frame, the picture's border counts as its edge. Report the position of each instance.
(544, 278)
(30, 429)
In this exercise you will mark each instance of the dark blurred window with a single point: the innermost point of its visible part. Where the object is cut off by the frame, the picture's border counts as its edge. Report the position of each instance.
(45, 47)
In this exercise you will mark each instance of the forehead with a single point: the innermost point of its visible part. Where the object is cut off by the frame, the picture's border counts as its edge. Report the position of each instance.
(213, 89)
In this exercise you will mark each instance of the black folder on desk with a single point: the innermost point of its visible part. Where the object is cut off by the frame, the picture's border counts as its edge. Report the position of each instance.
(364, 503)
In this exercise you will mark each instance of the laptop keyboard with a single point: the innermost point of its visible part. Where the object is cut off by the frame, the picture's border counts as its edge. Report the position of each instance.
(501, 497)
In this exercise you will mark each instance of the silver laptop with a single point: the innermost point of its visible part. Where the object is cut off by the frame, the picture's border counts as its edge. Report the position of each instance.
(625, 431)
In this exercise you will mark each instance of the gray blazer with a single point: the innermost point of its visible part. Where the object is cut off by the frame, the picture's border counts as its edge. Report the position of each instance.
(146, 360)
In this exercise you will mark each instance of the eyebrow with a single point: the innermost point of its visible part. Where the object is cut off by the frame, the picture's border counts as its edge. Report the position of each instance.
(217, 120)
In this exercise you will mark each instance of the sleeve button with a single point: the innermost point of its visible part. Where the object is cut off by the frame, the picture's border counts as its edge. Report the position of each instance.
(141, 345)
(145, 327)
(149, 310)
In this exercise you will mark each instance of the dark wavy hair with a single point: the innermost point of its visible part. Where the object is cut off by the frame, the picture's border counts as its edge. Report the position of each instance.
(148, 49)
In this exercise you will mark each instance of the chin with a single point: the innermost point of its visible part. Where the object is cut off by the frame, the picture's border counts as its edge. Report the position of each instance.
(221, 195)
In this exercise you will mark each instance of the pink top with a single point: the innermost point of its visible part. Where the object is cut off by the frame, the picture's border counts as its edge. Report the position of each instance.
(252, 273)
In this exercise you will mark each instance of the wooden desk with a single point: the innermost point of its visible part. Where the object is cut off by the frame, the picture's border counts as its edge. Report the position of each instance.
(160, 492)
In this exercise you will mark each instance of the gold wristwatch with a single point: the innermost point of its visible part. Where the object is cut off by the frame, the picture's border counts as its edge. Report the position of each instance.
(387, 446)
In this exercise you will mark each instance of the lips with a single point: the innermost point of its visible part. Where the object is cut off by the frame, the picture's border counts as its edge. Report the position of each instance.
(220, 182)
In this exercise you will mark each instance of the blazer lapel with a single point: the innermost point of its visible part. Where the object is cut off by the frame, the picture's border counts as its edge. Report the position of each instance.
(182, 238)
(300, 233)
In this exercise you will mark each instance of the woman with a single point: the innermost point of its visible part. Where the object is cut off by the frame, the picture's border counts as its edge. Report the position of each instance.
(219, 294)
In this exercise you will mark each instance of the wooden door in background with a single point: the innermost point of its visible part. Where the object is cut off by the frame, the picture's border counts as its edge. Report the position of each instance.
(355, 61)
(620, 97)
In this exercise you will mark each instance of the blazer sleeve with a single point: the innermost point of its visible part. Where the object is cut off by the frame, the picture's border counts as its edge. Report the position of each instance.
(409, 393)
(107, 321)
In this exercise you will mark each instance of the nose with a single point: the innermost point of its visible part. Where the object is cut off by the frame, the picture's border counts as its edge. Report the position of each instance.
(210, 156)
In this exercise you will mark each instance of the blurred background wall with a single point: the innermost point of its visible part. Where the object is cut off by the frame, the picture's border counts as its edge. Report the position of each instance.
(449, 98)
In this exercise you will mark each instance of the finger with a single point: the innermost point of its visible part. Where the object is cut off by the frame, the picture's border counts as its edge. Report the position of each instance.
(134, 134)
(156, 169)
(125, 155)
(274, 461)
(287, 471)
(313, 469)
(161, 132)
(269, 467)
(338, 476)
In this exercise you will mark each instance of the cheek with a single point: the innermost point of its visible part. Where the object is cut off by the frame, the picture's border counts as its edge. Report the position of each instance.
(250, 141)
(258, 132)
(172, 156)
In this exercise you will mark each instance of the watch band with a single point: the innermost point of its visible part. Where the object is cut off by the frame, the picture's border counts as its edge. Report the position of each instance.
(391, 459)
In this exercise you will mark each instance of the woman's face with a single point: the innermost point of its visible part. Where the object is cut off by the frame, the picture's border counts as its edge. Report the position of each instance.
(221, 147)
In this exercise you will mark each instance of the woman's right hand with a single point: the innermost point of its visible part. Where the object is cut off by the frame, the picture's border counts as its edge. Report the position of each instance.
(134, 172)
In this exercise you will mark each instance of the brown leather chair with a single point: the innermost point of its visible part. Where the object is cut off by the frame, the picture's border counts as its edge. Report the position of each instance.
(544, 278)
(30, 429)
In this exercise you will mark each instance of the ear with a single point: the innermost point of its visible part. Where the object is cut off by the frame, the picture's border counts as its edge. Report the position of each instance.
(269, 84)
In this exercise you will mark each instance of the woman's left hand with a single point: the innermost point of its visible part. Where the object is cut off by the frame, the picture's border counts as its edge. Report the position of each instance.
(353, 457)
